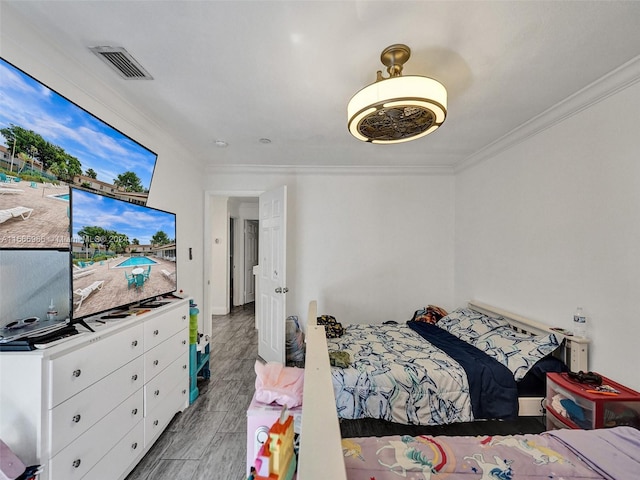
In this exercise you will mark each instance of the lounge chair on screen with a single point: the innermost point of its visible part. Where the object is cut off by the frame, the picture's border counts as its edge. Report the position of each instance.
(10, 190)
(15, 212)
(83, 293)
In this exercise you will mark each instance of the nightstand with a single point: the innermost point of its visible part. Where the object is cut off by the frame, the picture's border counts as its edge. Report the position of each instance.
(571, 404)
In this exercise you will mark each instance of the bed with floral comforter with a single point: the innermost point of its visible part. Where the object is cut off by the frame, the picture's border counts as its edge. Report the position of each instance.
(425, 374)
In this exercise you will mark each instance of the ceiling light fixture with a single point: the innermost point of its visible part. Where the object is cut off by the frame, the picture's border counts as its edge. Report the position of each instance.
(397, 109)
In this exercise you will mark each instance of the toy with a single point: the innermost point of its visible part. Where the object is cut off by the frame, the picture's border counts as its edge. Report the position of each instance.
(276, 459)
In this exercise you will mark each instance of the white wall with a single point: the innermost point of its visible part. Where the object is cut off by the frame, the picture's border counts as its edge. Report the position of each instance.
(219, 248)
(177, 185)
(554, 223)
(369, 247)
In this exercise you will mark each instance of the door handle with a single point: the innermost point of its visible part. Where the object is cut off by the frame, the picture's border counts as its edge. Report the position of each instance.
(282, 290)
(285, 290)
(278, 290)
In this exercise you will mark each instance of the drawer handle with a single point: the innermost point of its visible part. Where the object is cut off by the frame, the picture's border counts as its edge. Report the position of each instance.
(155, 332)
(76, 418)
(135, 445)
(184, 367)
(155, 363)
(76, 373)
(184, 391)
(184, 317)
(156, 393)
(155, 423)
(76, 463)
(134, 377)
(184, 342)
(134, 411)
(134, 343)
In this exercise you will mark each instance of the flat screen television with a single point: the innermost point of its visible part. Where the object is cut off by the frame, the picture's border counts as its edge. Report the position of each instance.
(48, 143)
(34, 291)
(121, 254)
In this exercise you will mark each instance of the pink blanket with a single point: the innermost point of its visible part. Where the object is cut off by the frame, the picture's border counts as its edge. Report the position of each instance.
(280, 384)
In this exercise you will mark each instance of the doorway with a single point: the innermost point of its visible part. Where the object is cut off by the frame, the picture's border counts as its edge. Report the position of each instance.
(251, 240)
(232, 263)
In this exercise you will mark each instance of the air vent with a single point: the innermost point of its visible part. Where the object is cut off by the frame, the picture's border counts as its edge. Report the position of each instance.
(122, 62)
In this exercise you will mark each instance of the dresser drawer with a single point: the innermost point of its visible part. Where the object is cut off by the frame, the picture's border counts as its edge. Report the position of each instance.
(75, 460)
(75, 371)
(157, 419)
(158, 388)
(161, 356)
(76, 415)
(160, 328)
(121, 458)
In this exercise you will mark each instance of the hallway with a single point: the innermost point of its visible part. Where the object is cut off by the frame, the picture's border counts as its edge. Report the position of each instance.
(208, 440)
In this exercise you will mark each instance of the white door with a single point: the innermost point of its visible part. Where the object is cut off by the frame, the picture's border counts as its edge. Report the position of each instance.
(250, 259)
(272, 280)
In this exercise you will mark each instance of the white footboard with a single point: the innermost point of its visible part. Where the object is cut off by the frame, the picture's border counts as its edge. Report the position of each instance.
(320, 456)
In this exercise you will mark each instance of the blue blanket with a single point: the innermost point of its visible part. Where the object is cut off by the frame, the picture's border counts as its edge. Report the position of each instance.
(492, 388)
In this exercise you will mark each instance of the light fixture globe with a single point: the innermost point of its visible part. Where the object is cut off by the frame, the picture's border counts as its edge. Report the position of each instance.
(397, 109)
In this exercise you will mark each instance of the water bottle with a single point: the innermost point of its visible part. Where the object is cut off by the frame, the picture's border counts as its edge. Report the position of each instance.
(52, 313)
(579, 323)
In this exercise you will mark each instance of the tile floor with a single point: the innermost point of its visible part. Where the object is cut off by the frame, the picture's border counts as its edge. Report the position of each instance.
(208, 440)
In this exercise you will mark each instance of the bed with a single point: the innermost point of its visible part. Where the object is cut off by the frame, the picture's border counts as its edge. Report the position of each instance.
(344, 460)
(586, 454)
(396, 374)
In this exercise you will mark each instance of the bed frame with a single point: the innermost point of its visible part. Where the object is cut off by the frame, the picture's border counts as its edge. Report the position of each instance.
(320, 455)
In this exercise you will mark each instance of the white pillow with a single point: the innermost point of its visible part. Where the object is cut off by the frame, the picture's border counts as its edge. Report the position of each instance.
(516, 351)
(468, 325)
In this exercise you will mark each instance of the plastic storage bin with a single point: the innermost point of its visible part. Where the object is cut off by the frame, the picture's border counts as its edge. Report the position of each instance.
(582, 407)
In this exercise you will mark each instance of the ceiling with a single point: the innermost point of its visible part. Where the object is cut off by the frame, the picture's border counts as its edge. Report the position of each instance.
(241, 71)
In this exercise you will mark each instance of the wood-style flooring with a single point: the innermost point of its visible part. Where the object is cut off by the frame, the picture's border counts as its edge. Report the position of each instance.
(209, 439)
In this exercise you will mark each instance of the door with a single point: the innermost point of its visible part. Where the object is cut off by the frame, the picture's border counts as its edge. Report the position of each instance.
(232, 261)
(272, 279)
(250, 259)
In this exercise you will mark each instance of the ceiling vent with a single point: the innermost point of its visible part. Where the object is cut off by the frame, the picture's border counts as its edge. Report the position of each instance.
(122, 62)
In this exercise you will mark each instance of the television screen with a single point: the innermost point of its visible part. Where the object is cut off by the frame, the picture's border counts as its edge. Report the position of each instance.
(34, 291)
(48, 143)
(122, 253)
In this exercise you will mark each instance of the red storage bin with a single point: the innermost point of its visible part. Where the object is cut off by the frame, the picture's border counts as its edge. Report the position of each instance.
(572, 404)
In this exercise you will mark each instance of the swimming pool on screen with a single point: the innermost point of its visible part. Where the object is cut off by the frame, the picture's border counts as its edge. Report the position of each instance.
(136, 262)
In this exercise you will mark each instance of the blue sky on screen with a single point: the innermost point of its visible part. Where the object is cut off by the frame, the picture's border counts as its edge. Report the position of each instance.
(134, 221)
(27, 103)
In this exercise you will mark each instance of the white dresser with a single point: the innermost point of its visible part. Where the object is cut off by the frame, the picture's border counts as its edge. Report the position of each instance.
(91, 407)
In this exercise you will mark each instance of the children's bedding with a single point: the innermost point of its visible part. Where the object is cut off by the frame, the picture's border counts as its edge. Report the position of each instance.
(564, 454)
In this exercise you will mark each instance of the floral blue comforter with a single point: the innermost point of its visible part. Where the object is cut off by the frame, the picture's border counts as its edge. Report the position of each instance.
(398, 376)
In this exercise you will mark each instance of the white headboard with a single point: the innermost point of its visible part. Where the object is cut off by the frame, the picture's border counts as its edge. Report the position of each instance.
(576, 349)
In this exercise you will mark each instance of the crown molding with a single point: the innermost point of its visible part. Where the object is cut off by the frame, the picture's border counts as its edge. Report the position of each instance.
(610, 84)
(429, 170)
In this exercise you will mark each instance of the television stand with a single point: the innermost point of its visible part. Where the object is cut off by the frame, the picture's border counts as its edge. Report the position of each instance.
(143, 365)
(153, 304)
(83, 323)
